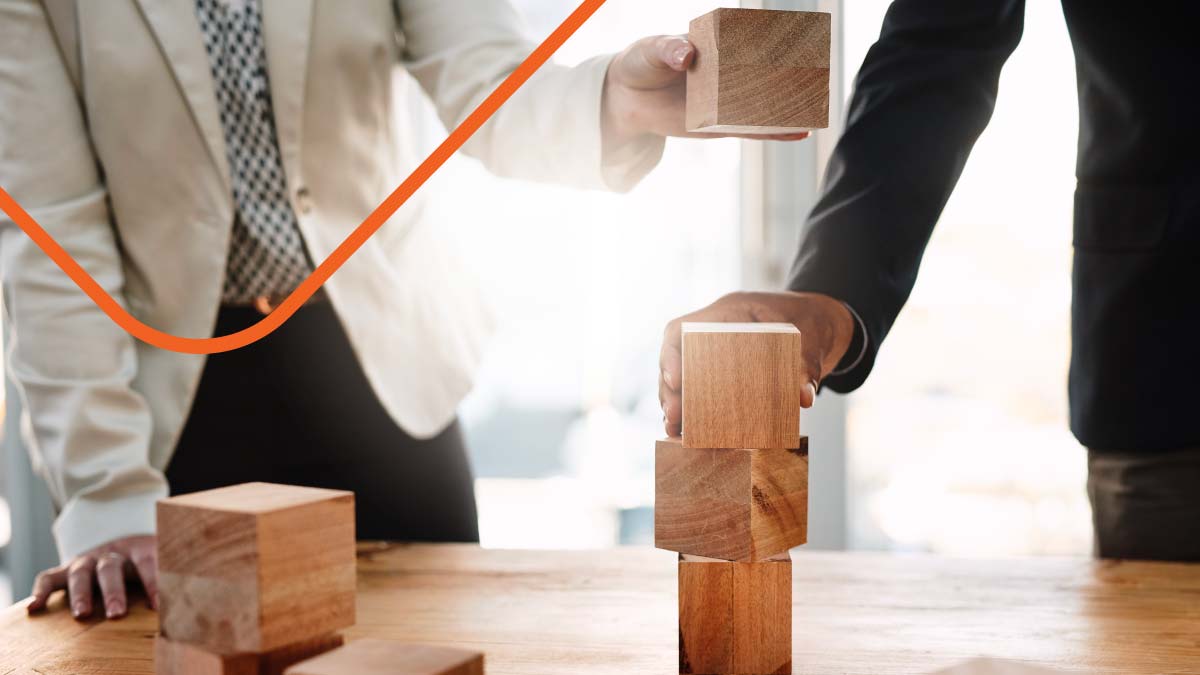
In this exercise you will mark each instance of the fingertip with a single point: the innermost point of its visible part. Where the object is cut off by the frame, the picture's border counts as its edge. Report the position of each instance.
(676, 52)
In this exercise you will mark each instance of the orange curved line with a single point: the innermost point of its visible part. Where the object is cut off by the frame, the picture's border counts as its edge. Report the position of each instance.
(342, 253)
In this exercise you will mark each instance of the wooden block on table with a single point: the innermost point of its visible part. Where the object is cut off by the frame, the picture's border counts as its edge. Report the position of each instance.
(180, 658)
(278, 661)
(759, 72)
(735, 618)
(741, 385)
(256, 567)
(383, 657)
(731, 504)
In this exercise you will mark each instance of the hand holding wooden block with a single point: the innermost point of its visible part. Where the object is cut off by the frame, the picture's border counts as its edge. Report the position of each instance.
(759, 72)
(731, 504)
(735, 618)
(381, 657)
(256, 567)
(741, 385)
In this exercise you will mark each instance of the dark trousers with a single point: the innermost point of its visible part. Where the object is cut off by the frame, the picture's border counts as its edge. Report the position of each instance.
(296, 408)
(1146, 505)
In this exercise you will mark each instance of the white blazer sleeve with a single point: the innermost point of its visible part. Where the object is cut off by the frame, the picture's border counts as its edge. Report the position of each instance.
(87, 429)
(460, 50)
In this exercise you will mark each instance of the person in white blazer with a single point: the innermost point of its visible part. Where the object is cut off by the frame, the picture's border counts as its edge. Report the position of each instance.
(118, 131)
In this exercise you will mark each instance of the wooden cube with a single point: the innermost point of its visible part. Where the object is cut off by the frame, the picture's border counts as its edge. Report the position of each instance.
(759, 72)
(382, 657)
(180, 658)
(735, 618)
(743, 505)
(741, 385)
(256, 567)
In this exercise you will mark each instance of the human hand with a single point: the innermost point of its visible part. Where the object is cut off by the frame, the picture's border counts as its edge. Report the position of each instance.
(825, 324)
(645, 92)
(107, 567)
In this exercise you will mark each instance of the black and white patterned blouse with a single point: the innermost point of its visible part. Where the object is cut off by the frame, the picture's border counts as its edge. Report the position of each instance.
(267, 256)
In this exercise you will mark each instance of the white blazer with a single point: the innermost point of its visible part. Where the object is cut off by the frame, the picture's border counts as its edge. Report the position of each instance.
(131, 178)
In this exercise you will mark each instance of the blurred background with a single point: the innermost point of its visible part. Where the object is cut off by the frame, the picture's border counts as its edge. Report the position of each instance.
(942, 451)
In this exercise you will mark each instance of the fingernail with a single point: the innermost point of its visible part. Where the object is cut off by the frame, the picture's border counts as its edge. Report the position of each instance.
(114, 609)
(680, 54)
(667, 379)
(77, 609)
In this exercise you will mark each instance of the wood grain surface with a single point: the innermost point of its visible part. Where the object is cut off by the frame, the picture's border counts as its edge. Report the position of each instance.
(741, 385)
(256, 567)
(735, 618)
(610, 612)
(730, 504)
(759, 71)
(389, 657)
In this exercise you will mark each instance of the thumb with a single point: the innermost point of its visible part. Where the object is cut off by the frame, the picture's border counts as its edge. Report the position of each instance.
(656, 61)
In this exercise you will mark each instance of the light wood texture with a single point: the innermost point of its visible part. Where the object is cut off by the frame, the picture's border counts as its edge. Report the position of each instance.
(180, 658)
(615, 612)
(256, 567)
(386, 657)
(735, 618)
(759, 72)
(731, 504)
(741, 385)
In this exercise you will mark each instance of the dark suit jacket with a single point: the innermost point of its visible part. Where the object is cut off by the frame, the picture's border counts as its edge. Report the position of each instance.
(922, 97)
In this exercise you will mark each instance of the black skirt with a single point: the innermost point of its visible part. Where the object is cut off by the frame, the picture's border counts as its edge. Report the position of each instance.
(296, 408)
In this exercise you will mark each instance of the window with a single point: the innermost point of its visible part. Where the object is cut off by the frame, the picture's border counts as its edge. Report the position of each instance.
(565, 411)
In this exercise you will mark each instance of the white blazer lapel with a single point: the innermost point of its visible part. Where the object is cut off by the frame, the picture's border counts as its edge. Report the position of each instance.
(287, 28)
(177, 31)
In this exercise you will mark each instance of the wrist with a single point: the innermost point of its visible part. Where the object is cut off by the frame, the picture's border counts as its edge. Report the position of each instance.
(828, 322)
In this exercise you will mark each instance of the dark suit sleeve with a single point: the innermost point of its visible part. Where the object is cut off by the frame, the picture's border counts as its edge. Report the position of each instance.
(922, 97)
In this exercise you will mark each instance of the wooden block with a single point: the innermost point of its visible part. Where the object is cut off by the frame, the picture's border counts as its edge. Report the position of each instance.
(743, 505)
(735, 618)
(180, 658)
(256, 567)
(759, 72)
(741, 385)
(278, 661)
(383, 657)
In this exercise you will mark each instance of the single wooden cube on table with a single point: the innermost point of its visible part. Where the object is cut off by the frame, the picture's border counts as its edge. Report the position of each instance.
(255, 568)
(741, 385)
(383, 657)
(759, 71)
(732, 504)
(735, 618)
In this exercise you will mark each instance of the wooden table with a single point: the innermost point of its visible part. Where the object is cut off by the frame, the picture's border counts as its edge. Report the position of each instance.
(558, 613)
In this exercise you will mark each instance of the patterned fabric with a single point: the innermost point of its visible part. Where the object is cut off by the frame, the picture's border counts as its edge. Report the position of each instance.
(266, 253)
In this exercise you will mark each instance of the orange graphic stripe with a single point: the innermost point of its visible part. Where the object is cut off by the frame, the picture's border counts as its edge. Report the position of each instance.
(342, 253)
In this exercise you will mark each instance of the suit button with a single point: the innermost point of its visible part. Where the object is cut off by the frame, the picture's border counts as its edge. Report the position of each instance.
(304, 201)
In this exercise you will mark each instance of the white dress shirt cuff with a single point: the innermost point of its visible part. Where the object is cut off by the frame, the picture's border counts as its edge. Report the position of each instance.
(86, 523)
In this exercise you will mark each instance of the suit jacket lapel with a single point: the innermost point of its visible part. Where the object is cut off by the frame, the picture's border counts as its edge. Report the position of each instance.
(287, 28)
(177, 31)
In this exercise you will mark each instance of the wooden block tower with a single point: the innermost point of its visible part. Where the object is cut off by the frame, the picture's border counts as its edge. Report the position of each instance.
(731, 497)
(759, 71)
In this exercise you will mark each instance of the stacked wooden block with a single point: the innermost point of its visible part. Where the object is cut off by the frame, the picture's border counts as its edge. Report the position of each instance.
(759, 72)
(731, 497)
(258, 579)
